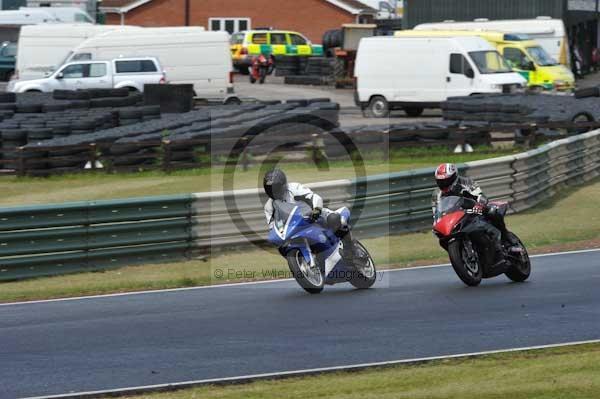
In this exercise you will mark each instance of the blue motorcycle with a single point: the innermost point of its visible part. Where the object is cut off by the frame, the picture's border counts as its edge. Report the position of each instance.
(313, 251)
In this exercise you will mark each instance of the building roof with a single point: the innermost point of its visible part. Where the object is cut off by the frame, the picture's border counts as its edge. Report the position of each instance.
(123, 6)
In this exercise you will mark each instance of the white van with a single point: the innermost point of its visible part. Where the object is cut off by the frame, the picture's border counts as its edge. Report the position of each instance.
(63, 14)
(188, 55)
(43, 48)
(418, 73)
(548, 32)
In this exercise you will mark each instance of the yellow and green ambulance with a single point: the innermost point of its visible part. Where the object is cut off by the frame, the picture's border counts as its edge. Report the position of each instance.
(524, 55)
(248, 44)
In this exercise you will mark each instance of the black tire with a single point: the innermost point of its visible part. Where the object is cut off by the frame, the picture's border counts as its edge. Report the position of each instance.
(470, 278)
(587, 92)
(243, 70)
(359, 278)
(378, 107)
(522, 271)
(293, 257)
(413, 112)
(8, 97)
(580, 117)
(263, 75)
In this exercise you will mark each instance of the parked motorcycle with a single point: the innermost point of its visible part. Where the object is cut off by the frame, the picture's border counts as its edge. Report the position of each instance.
(472, 251)
(260, 68)
(313, 251)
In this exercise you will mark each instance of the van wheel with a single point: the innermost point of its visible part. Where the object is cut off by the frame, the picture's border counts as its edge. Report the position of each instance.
(413, 112)
(378, 107)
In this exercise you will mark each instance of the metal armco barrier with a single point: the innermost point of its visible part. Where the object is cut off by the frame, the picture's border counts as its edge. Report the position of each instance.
(46, 240)
(84, 236)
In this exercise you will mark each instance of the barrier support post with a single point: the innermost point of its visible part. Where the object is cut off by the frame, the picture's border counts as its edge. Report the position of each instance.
(93, 156)
(21, 171)
(166, 160)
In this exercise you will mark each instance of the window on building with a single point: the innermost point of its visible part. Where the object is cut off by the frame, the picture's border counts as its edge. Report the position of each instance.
(231, 25)
(278, 38)
(297, 40)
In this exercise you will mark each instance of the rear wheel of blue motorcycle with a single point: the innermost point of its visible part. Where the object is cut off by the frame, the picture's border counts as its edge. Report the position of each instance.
(468, 270)
(311, 280)
(520, 271)
(364, 275)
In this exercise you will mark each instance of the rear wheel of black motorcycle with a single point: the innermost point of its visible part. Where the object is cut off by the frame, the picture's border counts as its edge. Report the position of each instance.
(519, 272)
(309, 279)
(469, 271)
(364, 276)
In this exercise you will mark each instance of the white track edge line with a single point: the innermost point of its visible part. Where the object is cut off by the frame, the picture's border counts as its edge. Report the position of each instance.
(299, 373)
(232, 285)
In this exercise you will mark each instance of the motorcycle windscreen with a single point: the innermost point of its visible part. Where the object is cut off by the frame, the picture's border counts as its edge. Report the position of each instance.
(283, 210)
(447, 205)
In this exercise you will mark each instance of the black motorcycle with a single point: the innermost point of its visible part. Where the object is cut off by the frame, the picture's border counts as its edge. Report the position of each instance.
(472, 252)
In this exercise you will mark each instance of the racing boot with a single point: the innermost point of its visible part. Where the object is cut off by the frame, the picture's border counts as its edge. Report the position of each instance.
(349, 250)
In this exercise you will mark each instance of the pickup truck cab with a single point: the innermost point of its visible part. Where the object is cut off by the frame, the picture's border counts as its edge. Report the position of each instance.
(132, 73)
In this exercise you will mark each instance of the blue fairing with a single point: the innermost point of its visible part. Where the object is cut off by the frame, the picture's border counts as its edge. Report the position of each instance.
(297, 230)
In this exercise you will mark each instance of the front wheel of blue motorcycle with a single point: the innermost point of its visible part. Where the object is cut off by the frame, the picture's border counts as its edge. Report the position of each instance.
(309, 278)
(364, 273)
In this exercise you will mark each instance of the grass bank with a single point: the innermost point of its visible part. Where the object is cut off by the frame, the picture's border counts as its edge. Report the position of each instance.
(571, 372)
(97, 186)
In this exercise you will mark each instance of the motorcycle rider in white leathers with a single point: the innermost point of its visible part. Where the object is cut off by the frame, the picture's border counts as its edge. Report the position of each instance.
(277, 188)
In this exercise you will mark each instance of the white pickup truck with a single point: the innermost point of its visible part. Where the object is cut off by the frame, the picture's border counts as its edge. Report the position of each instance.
(132, 73)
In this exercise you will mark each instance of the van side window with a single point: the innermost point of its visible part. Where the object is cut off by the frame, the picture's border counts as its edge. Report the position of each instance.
(82, 57)
(135, 66)
(515, 57)
(297, 40)
(278, 38)
(458, 64)
(259, 38)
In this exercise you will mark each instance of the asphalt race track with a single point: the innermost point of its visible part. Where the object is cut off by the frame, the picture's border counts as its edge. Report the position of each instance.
(154, 338)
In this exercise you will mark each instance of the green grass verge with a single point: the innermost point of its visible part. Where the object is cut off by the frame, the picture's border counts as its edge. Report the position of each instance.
(96, 186)
(569, 218)
(571, 372)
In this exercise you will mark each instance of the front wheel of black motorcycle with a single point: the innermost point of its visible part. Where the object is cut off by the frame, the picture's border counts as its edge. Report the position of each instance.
(520, 267)
(465, 265)
(364, 274)
(309, 278)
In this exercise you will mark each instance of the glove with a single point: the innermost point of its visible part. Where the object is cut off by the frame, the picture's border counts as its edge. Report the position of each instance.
(478, 209)
(316, 214)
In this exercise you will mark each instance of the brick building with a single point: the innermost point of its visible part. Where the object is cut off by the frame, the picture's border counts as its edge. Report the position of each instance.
(310, 17)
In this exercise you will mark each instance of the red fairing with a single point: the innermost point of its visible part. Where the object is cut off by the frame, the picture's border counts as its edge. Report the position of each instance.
(446, 224)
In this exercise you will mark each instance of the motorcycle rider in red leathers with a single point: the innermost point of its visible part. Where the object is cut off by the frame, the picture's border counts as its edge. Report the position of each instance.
(450, 183)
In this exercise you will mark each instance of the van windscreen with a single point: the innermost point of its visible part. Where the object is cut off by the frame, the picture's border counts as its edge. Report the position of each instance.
(489, 62)
(541, 57)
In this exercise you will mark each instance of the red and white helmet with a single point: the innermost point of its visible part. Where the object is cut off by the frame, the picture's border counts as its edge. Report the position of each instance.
(445, 176)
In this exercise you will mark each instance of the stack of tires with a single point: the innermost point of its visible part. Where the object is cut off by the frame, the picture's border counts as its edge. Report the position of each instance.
(319, 66)
(287, 66)
(13, 137)
(523, 108)
(332, 39)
